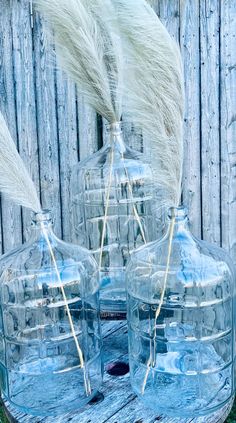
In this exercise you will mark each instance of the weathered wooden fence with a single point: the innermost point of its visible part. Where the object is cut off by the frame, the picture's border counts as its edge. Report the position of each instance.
(54, 128)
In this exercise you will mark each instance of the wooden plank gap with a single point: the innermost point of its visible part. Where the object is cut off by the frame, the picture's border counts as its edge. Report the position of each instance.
(119, 410)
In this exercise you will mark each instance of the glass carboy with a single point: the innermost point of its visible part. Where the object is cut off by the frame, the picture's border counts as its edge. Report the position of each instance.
(181, 310)
(112, 212)
(50, 342)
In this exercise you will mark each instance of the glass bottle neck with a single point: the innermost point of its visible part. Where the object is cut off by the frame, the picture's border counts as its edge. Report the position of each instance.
(42, 222)
(115, 137)
(178, 219)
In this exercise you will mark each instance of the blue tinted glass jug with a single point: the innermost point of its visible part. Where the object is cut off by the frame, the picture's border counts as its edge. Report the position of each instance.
(181, 311)
(50, 342)
(113, 212)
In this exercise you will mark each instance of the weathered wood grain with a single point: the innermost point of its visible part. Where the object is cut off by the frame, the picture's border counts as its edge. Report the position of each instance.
(25, 95)
(136, 412)
(11, 215)
(228, 124)
(189, 41)
(169, 15)
(47, 120)
(210, 103)
(68, 146)
(88, 129)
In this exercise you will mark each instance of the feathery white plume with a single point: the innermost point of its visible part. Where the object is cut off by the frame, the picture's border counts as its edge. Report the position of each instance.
(17, 185)
(15, 181)
(88, 47)
(89, 50)
(155, 103)
(154, 94)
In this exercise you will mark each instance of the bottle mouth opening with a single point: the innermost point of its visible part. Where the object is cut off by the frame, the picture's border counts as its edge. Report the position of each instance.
(114, 128)
(43, 216)
(179, 213)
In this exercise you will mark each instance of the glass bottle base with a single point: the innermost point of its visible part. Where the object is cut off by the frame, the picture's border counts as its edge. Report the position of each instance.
(13, 408)
(225, 407)
(156, 388)
(51, 393)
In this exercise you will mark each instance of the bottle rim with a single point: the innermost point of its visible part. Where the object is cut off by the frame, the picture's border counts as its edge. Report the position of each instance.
(43, 216)
(115, 127)
(179, 213)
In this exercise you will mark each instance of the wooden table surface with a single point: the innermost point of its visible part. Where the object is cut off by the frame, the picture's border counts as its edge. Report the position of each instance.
(116, 402)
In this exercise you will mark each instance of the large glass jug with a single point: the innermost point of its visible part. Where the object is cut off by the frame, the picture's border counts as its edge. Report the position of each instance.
(181, 311)
(112, 212)
(50, 341)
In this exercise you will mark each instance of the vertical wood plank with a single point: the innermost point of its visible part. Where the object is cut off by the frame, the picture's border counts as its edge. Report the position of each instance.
(169, 15)
(88, 129)
(47, 124)
(144, 142)
(228, 124)
(25, 95)
(210, 147)
(11, 215)
(88, 133)
(67, 132)
(189, 41)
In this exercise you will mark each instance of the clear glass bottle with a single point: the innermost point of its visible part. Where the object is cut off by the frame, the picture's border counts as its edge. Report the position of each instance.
(113, 212)
(181, 311)
(50, 341)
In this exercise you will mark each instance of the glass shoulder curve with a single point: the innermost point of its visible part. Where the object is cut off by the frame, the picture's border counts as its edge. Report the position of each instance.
(219, 255)
(15, 256)
(35, 258)
(188, 246)
(92, 161)
(193, 263)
